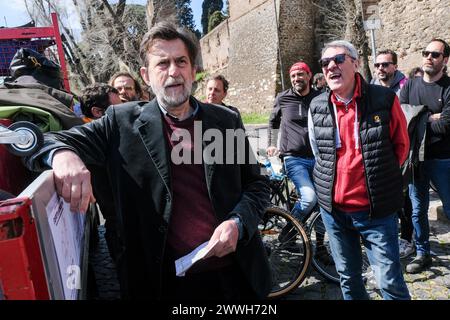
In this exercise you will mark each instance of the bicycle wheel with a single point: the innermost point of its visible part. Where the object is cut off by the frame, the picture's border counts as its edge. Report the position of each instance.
(322, 259)
(288, 249)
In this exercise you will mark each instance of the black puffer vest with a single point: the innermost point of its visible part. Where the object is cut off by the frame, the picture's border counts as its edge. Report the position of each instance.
(382, 170)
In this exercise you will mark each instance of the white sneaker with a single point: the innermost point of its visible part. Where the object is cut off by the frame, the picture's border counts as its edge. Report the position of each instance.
(406, 248)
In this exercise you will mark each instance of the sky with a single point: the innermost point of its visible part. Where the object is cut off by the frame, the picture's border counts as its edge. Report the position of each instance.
(15, 14)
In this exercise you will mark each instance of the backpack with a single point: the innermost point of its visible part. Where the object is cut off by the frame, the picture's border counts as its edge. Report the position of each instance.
(29, 63)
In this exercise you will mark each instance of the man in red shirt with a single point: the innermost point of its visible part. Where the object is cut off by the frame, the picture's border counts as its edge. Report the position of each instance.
(359, 137)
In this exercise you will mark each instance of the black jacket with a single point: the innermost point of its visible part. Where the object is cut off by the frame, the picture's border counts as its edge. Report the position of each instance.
(381, 167)
(436, 97)
(291, 110)
(129, 142)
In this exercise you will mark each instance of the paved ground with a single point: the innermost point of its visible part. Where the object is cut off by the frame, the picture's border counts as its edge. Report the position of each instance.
(433, 284)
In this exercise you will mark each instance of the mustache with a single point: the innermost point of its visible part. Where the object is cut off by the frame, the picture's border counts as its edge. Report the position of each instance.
(173, 82)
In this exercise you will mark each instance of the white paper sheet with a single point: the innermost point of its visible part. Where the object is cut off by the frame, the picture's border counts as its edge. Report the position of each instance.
(184, 263)
(67, 232)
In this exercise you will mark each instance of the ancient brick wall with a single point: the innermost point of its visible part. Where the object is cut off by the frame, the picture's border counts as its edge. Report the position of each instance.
(215, 48)
(297, 38)
(245, 47)
(252, 68)
(408, 26)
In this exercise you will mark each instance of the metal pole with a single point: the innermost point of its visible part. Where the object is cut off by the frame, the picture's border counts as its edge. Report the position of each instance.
(374, 48)
(278, 45)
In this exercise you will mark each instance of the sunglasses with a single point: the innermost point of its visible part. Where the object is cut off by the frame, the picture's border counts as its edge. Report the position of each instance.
(338, 59)
(383, 64)
(434, 54)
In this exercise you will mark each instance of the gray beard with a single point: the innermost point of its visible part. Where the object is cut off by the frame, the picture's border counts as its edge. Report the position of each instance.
(168, 102)
(430, 71)
(300, 87)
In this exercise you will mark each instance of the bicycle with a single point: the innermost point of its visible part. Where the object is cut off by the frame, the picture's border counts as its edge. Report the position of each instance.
(289, 253)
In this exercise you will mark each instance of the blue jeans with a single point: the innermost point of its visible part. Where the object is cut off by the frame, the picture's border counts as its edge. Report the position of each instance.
(380, 239)
(438, 170)
(299, 171)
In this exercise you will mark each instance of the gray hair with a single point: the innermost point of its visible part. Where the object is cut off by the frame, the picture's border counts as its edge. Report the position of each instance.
(169, 31)
(351, 50)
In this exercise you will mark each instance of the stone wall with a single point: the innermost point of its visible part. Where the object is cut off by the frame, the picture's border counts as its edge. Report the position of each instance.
(252, 68)
(241, 7)
(409, 25)
(215, 48)
(296, 34)
(244, 48)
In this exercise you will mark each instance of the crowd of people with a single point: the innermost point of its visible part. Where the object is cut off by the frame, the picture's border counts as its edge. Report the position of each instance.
(344, 144)
(349, 152)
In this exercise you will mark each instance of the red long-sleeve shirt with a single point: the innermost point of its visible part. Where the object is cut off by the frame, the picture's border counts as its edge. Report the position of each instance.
(350, 190)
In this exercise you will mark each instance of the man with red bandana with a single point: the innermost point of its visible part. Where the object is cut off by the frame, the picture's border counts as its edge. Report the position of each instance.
(291, 110)
(359, 137)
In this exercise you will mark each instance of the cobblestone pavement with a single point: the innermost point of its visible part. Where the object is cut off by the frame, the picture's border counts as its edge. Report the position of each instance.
(433, 284)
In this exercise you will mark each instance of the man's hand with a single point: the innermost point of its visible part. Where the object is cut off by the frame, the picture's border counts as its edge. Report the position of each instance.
(226, 235)
(434, 117)
(272, 151)
(72, 180)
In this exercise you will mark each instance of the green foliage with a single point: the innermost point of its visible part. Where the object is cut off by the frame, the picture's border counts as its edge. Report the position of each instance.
(185, 15)
(255, 118)
(208, 7)
(215, 19)
(200, 76)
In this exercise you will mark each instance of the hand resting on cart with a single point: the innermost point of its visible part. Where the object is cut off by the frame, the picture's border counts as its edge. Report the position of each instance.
(72, 180)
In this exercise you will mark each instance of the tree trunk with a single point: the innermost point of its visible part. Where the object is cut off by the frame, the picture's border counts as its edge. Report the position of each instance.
(356, 34)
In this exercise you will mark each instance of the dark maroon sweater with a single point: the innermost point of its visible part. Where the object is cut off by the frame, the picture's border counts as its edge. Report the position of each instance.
(193, 219)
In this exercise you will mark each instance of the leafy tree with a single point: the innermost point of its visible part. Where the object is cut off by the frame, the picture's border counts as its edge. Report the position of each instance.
(108, 41)
(215, 19)
(208, 8)
(184, 14)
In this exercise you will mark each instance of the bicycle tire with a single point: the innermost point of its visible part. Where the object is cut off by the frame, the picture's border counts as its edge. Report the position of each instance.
(290, 258)
(325, 265)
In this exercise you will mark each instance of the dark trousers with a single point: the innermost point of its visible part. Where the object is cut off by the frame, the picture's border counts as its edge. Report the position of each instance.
(227, 283)
(406, 225)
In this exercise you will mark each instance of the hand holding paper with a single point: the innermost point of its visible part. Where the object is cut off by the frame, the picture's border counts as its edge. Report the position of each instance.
(203, 251)
(223, 241)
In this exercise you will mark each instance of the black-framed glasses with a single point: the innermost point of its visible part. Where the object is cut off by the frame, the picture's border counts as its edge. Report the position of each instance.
(434, 54)
(383, 64)
(338, 59)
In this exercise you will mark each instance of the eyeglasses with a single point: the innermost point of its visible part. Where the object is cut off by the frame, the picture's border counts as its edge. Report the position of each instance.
(383, 64)
(434, 54)
(338, 59)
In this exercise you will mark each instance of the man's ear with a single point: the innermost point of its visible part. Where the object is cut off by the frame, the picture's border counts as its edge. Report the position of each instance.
(97, 112)
(356, 64)
(144, 75)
